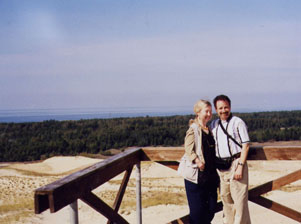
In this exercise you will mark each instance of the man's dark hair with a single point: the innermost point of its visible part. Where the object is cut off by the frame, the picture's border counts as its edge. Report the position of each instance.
(222, 98)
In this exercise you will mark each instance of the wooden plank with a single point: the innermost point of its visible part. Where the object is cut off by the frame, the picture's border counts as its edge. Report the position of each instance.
(163, 153)
(170, 164)
(121, 191)
(275, 184)
(185, 219)
(72, 187)
(101, 207)
(41, 203)
(255, 153)
(275, 153)
(288, 212)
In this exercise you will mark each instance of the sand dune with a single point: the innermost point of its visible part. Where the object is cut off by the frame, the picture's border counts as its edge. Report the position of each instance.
(57, 165)
(163, 192)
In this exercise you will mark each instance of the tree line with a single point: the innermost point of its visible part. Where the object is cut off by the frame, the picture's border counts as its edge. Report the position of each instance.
(40, 140)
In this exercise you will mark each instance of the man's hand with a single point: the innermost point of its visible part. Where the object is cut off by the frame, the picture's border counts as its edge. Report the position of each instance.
(238, 172)
(241, 162)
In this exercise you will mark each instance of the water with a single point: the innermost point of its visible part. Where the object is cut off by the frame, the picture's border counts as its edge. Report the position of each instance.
(38, 115)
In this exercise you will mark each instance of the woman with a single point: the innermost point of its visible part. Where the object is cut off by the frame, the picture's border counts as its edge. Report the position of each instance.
(197, 166)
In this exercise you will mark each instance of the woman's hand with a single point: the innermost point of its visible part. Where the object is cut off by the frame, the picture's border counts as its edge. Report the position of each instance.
(200, 165)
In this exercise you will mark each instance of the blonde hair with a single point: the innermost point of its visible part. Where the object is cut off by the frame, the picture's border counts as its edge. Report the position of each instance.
(198, 106)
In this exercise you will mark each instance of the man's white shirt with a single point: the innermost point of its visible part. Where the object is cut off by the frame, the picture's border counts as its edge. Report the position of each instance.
(237, 128)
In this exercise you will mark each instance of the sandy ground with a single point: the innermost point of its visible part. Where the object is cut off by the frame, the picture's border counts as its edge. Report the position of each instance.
(163, 192)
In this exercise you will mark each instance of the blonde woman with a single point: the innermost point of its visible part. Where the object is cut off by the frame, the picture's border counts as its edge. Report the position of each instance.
(197, 166)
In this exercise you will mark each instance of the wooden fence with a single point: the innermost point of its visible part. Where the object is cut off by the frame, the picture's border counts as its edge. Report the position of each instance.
(79, 185)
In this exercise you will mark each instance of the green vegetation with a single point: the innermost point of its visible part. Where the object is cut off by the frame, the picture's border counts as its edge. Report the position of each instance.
(40, 140)
(273, 126)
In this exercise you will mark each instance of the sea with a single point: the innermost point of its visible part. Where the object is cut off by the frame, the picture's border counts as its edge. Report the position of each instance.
(39, 115)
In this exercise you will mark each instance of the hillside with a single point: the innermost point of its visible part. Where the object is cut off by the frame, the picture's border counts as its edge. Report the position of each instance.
(41, 140)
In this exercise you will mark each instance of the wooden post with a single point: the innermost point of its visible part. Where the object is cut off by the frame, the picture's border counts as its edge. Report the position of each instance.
(73, 209)
(138, 193)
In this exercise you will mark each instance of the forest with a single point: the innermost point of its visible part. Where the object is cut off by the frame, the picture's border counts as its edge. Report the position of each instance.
(40, 140)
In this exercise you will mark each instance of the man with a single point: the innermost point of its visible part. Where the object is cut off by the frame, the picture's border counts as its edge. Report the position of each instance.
(232, 144)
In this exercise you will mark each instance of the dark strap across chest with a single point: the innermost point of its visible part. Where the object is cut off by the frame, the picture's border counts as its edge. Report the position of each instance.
(227, 134)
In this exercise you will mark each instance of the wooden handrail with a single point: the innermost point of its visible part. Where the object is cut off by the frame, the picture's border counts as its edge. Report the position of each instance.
(275, 153)
(255, 153)
(62, 192)
(79, 185)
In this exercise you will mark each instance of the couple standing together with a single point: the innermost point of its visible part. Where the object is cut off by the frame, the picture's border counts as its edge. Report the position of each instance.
(215, 156)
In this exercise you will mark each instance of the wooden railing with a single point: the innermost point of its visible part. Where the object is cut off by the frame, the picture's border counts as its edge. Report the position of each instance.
(79, 185)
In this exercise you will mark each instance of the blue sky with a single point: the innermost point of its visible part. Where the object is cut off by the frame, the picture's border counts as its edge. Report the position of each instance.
(94, 54)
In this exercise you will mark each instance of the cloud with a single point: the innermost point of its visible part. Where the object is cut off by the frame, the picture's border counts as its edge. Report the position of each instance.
(164, 69)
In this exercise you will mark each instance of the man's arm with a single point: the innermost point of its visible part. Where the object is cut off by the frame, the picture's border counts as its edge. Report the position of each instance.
(241, 162)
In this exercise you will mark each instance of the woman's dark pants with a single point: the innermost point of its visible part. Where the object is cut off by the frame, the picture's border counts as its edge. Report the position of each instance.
(202, 200)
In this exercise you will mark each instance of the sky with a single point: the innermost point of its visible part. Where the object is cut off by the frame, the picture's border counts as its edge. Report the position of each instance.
(155, 54)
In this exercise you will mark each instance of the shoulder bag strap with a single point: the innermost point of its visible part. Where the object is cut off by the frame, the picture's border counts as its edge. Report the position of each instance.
(229, 136)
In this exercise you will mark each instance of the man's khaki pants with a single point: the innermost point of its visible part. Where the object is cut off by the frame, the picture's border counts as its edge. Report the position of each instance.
(234, 195)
